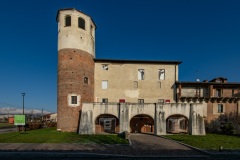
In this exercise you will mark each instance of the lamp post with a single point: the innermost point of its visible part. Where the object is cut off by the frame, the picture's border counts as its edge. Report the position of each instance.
(23, 94)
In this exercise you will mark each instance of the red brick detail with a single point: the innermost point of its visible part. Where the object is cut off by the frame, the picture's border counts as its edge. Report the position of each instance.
(73, 66)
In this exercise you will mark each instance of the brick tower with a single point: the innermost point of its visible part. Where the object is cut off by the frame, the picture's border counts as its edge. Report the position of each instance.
(76, 50)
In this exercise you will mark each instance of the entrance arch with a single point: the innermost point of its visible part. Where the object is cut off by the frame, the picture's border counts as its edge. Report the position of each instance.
(177, 124)
(106, 123)
(142, 124)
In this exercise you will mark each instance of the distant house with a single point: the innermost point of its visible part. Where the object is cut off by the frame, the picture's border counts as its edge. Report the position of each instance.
(221, 96)
(50, 117)
(53, 117)
(11, 120)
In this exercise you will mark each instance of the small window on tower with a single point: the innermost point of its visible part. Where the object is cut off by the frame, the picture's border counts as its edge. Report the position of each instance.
(73, 99)
(85, 80)
(105, 66)
(92, 33)
(81, 23)
(68, 21)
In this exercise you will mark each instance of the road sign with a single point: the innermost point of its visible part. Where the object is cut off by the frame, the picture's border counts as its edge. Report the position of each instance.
(19, 120)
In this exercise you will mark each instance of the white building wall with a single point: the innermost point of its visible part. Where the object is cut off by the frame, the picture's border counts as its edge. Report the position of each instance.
(73, 36)
(194, 112)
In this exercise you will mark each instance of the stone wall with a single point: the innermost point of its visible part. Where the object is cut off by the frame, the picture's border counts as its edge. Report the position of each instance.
(194, 112)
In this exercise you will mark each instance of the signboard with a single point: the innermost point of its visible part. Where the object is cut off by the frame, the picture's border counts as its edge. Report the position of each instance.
(19, 119)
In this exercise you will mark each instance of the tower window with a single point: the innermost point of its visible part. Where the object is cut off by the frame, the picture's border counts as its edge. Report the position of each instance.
(85, 80)
(92, 30)
(68, 21)
(81, 23)
(73, 99)
(161, 74)
(141, 74)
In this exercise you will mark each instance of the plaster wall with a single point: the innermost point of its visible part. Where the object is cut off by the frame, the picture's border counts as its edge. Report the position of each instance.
(73, 36)
(159, 112)
(121, 78)
(192, 92)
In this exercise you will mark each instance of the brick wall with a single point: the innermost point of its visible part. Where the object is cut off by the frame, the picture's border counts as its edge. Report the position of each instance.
(73, 66)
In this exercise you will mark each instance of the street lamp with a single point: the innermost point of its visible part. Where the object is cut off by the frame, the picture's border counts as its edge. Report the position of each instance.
(23, 94)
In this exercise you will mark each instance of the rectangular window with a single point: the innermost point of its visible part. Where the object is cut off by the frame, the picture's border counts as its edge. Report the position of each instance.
(161, 101)
(140, 100)
(161, 74)
(135, 85)
(141, 74)
(104, 100)
(73, 99)
(220, 108)
(104, 84)
(158, 85)
(81, 23)
(68, 21)
(105, 66)
(197, 92)
(218, 92)
(85, 80)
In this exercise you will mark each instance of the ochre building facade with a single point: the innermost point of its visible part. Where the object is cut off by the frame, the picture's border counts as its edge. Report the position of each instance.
(110, 95)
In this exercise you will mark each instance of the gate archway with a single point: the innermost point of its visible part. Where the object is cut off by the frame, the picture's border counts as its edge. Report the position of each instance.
(106, 123)
(177, 124)
(142, 124)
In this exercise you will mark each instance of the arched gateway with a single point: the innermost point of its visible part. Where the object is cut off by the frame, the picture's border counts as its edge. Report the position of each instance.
(139, 117)
(142, 124)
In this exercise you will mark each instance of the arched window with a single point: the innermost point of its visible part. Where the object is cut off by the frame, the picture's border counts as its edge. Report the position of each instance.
(81, 23)
(68, 21)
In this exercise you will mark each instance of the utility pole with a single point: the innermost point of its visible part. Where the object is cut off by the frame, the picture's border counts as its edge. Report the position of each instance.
(23, 127)
(23, 94)
(42, 115)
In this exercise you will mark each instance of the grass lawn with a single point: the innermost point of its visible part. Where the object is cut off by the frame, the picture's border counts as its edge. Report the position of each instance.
(209, 142)
(50, 135)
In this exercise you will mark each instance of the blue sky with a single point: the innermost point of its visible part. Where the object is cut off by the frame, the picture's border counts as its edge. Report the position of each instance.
(203, 34)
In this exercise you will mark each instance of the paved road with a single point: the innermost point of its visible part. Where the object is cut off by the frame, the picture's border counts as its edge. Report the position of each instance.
(7, 130)
(144, 144)
(142, 147)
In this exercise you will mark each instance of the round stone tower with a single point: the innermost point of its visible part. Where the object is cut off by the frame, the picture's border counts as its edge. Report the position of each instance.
(76, 50)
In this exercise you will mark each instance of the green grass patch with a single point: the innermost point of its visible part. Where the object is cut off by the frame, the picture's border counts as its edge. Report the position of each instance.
(209, 142)
(50, 135)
